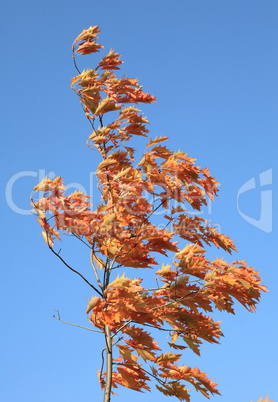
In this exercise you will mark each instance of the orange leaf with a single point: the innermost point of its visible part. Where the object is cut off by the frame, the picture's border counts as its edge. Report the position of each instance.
(157, 140)
(110, 62)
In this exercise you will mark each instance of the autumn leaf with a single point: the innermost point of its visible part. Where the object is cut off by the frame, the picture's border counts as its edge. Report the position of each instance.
(110, 62)
(47, 239)
(157, 140)
(174, 389)
(106, 105)
(88, 47)
(92, 304)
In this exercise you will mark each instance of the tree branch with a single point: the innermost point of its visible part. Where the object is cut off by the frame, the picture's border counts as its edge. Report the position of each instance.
(73, 270)
(74, 60)
(79, 238)
(75, 325)
(120, 329)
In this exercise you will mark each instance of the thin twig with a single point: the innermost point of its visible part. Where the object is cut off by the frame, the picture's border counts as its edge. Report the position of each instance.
(102, 362)
(110, 267)
(195, 292)
(73, 270)
(75, 325)
(79, 238)
(159, 328)
(94, 268)
(121, 328)
(74, 60)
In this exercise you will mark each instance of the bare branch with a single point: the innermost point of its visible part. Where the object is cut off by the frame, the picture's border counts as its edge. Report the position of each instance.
(79, 238)
(75, 325)
(73, 270)
(74, 60)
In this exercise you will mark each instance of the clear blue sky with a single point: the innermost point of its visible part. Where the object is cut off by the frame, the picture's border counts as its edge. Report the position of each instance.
(213, 67)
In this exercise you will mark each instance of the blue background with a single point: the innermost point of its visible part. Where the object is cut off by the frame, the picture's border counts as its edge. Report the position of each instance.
(213, 67)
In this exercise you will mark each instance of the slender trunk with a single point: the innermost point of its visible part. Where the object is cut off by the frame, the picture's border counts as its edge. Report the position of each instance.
(108, 385)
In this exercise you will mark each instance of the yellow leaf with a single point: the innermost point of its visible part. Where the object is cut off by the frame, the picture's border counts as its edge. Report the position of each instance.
(122, 173)
(146, 355)
(210, 276)
(164, 270)
(107, 105)
(47, 239)
(105, 163)
(94, 300)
